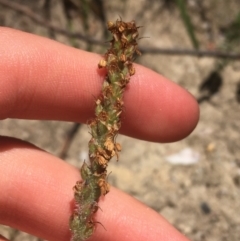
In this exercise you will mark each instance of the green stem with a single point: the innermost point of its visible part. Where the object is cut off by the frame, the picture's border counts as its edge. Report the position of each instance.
(104, 128)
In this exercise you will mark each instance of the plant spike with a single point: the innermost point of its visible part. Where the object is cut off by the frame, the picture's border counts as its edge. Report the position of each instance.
(104, 128)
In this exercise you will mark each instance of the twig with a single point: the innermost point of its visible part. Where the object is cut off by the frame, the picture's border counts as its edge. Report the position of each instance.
(189, 52)
(32, 15)
(186, 52)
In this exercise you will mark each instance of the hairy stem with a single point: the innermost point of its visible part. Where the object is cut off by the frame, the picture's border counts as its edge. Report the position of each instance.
(104, 128)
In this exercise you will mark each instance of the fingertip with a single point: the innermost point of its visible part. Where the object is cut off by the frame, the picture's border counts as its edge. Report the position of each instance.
(125, 218)
(161, 110)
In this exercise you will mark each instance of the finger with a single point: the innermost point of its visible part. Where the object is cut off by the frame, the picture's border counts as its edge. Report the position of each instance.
(3, 238)
(36, 197)
(43, 79)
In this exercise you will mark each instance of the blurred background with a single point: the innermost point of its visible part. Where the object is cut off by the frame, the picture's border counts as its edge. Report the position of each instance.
(194, 183)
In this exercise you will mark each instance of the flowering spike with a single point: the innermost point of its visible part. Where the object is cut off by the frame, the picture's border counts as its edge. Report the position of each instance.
(104, 128)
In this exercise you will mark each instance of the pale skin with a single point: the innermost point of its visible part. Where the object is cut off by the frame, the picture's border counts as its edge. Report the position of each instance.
(42, 79)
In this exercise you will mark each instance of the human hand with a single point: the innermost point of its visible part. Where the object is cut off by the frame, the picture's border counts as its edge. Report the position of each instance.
(42, 79)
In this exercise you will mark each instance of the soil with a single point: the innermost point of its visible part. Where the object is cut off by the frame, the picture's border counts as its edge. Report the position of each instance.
(201, 199)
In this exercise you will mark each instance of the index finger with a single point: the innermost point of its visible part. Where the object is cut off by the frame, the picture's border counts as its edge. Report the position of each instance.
(43, 79)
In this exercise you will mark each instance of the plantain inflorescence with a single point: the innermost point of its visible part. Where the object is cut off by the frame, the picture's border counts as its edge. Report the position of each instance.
(104, 128)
